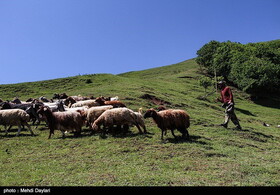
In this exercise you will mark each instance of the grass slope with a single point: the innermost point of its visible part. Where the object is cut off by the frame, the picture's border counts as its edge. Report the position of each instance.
(214, 156)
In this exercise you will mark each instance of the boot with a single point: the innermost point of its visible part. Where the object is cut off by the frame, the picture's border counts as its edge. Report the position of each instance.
(224, 125)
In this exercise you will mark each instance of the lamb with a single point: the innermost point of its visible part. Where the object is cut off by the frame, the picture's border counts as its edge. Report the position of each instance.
(14, 117)
(116, 116)
(63, 121)
(170, 119)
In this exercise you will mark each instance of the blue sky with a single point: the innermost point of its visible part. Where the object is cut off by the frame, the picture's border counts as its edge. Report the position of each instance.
(47, 39)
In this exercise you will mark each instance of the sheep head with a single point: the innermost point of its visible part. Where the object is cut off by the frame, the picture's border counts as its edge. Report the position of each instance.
(150, 113)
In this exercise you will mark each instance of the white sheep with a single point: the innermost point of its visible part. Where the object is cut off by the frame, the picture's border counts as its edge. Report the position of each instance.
(89, 103)
(114, 98)
(140, 119)
(82, 108)
(116, 116)
(94, 112)
(14, 117)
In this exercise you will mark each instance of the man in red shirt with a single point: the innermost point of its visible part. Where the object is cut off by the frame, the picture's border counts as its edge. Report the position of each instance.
(228, 104)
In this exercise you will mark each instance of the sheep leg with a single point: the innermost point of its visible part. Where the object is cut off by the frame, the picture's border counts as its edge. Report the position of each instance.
(6, 131)
(162, 131)
(103, 132)
(139, 129)
(172, 131)
(28, 126)
(78, 132)
(63, 134)
(185, 133)
(38, 123)
(125, 129)
(51, 132)
(19, 129)
(116, 130)
(145, 130)
(188, 136)
(50, 135)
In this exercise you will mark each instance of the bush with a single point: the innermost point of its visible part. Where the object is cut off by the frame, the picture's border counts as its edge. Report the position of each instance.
(254, 67)
(88, 81)
(205, 82)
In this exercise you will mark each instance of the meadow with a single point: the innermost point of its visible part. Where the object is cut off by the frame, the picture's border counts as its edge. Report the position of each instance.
(214, 156)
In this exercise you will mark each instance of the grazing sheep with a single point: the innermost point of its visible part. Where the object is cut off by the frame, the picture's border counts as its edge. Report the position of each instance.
(14, 117)
(63, 121)
(170, 119)
(116, 116)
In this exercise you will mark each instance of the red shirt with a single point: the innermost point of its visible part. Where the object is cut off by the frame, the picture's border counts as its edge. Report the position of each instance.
(226, 95)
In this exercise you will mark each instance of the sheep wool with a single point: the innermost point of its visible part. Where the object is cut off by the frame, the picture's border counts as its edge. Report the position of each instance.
(14, 117)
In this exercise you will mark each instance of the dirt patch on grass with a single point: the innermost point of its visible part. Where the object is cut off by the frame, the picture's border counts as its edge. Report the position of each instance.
(155, 100)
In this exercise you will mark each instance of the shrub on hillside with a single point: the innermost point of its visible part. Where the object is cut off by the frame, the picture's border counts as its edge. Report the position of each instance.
(253, 67)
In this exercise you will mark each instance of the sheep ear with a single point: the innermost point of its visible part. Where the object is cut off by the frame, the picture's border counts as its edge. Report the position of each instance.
(153, 113)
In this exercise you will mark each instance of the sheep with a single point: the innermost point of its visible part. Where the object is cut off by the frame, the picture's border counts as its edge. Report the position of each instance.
(72, 103)
(63, 121)
(140, 120)
(170, 119)
(31, 109)
(69, 101)
(82, 108)
(44, 99)
(55, 106)
(14, 117)
(93, 113)
(89, 103)
(115, 104)
(116, 98)
(116, 116)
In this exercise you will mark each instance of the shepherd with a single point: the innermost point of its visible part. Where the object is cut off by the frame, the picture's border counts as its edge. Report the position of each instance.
(228, 104)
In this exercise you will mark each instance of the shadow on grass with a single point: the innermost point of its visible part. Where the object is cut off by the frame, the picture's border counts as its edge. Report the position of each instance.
(271, 102)
(20, 135)
(88, 133)
(11, 133)
(192, 139)
(246, 112)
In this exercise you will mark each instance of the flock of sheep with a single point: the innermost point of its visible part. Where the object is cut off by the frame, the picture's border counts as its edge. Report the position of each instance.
(103, 115)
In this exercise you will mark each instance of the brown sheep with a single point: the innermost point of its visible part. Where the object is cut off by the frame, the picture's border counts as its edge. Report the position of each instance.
(63, 121)
(115, 103)
(170, 119)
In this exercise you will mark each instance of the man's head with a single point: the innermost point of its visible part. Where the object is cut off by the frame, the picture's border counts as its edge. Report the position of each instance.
(221, 84)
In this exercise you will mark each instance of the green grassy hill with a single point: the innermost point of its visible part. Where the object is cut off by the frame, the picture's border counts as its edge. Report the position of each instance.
(213, 156)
